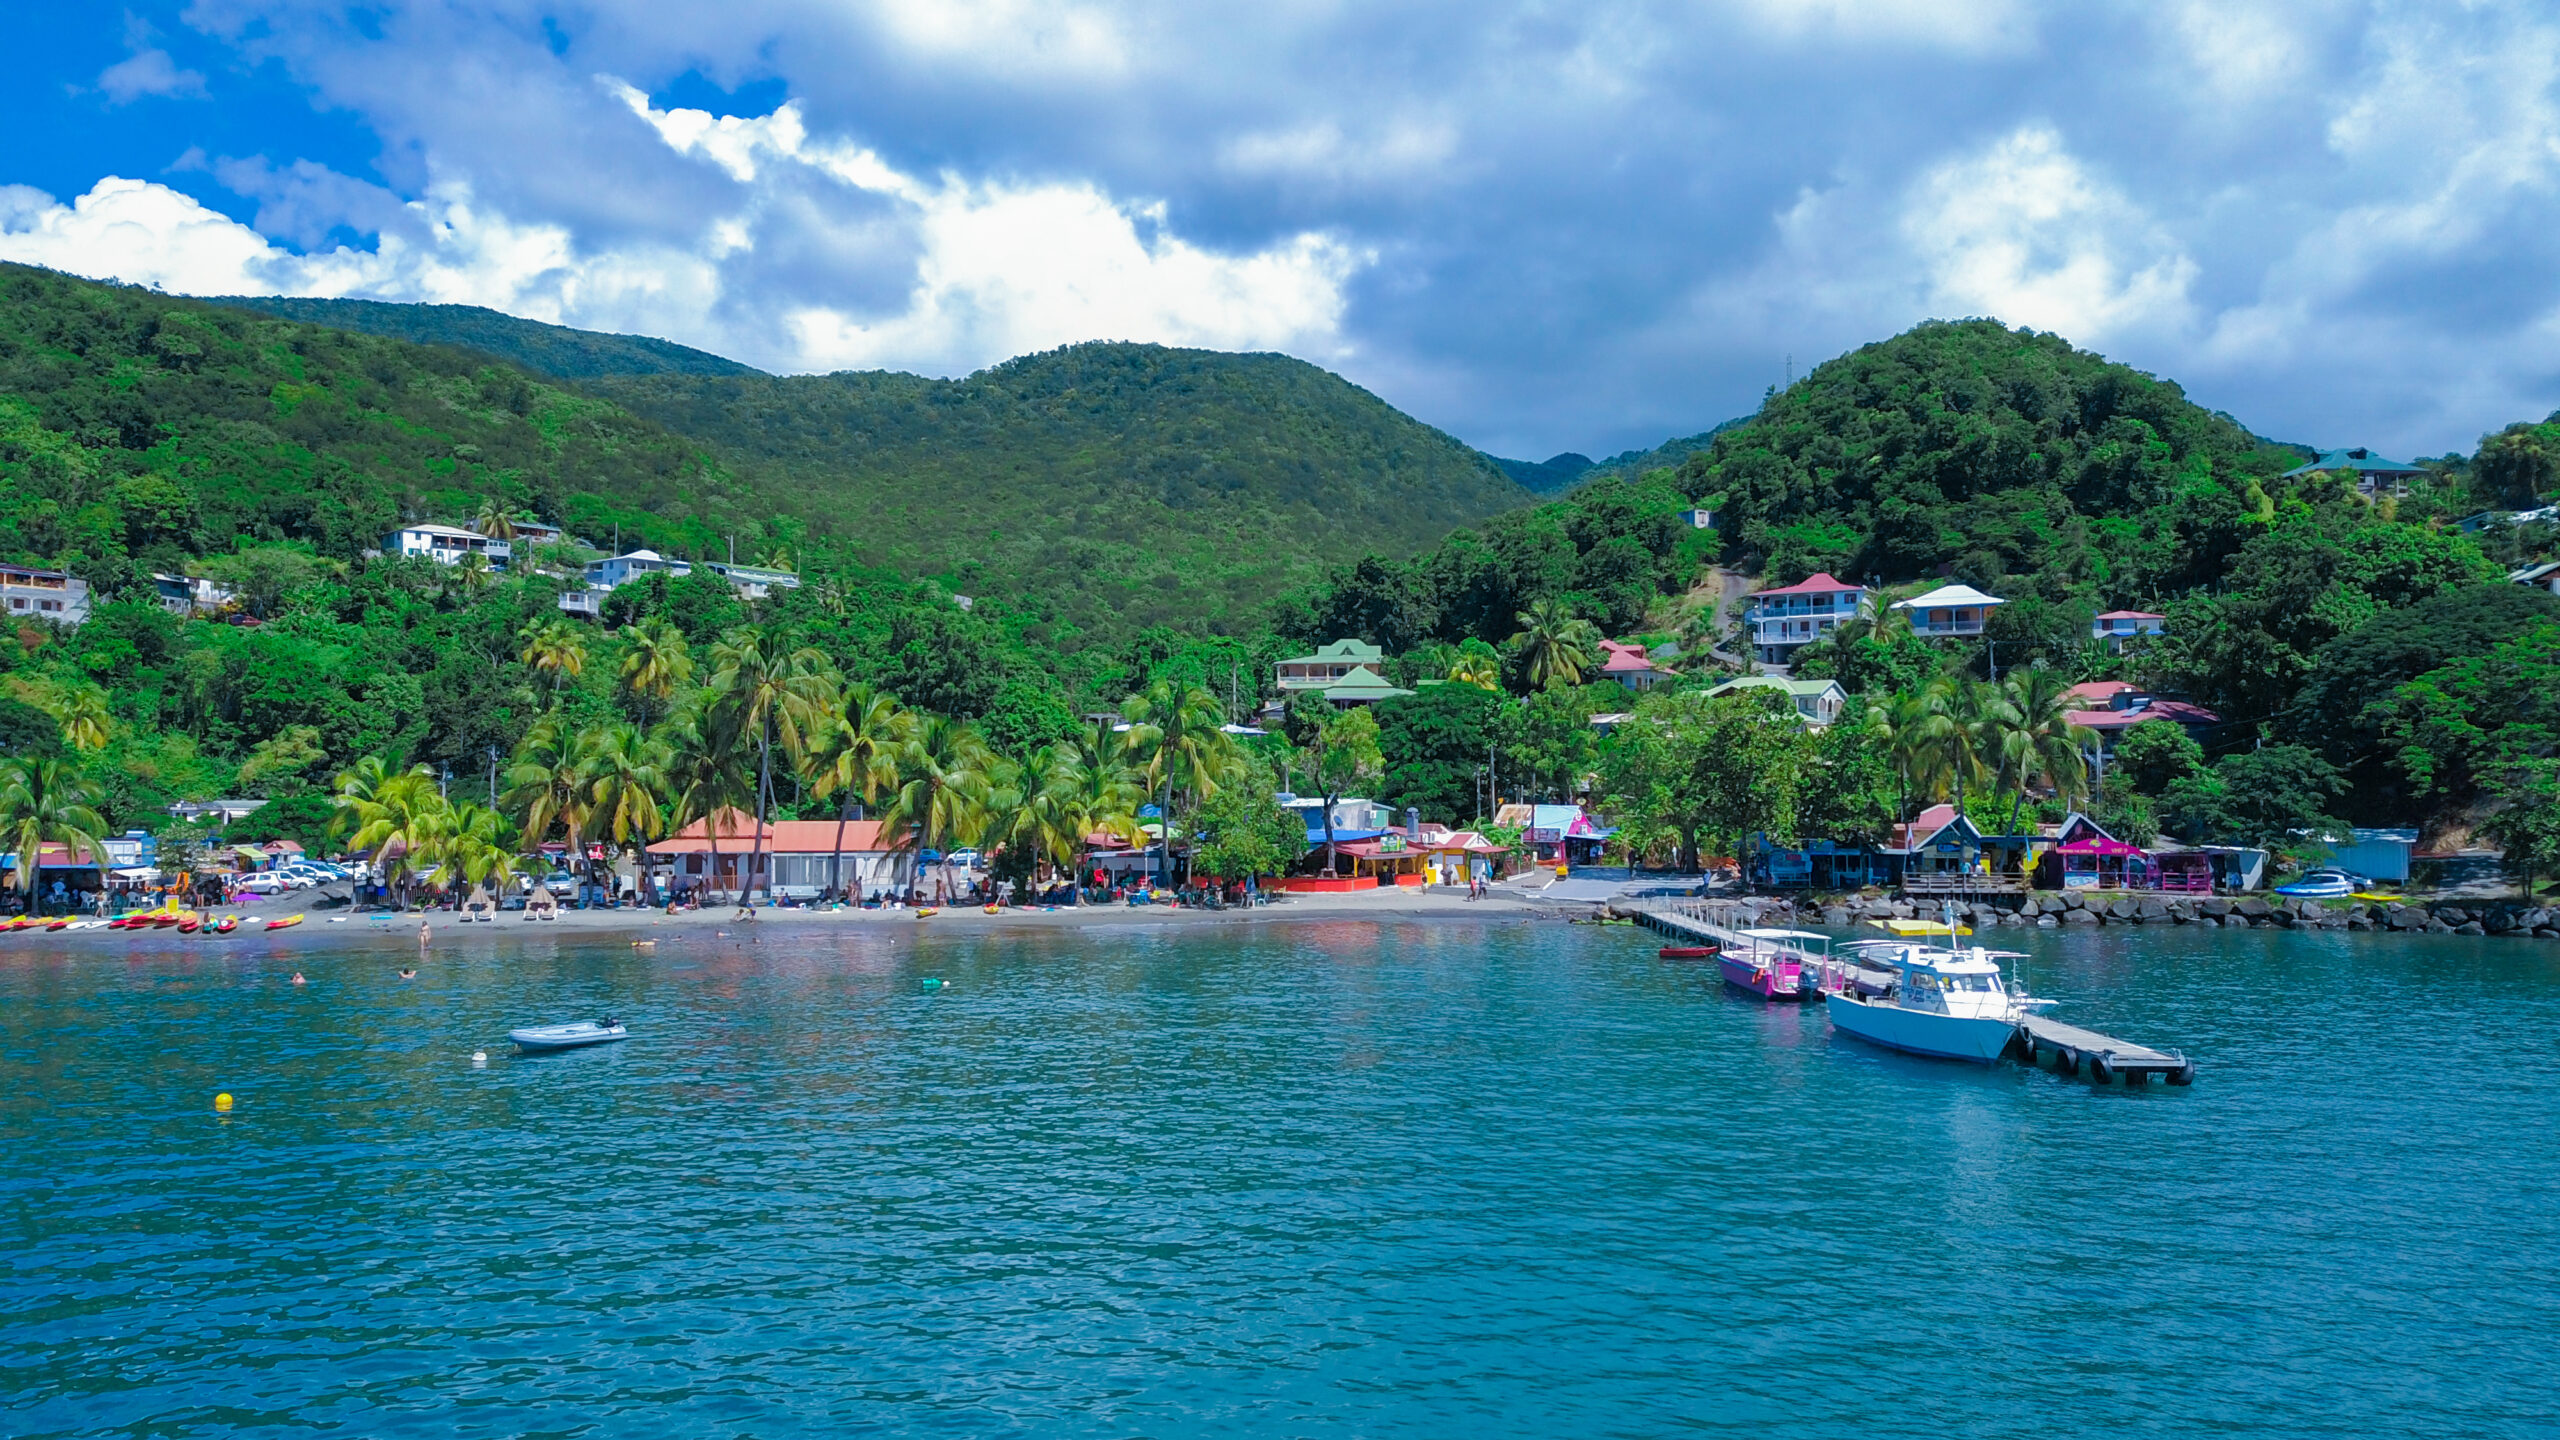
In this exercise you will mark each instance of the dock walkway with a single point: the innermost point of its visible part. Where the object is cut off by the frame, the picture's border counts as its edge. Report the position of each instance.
(2041, 1039)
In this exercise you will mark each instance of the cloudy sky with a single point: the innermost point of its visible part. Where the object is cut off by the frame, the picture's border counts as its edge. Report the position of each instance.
(1541, 226)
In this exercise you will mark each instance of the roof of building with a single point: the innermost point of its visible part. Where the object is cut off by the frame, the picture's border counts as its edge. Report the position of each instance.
(2130, 615)
(2098, 692)
(14, 569)
(1927, 823)
(1362, 683)
(1796, 688)
(1624, 659)
(453, 530)
(2536, 574)
(2179, 711)
(2358, 459)
(783, 837)
(1948, 595)
(1821, 582)
(1358, 652)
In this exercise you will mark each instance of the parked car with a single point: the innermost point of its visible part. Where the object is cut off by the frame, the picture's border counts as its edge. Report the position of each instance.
(262, 884)
(2324, 885)
(561, 883)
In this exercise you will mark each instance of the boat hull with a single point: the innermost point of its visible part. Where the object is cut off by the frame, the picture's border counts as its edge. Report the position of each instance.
(1977, 1039)
(566, 1037)
(1781, 980)
(1687, 952)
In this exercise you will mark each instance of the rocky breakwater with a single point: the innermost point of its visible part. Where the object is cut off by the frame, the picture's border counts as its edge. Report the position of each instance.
(2050, 911)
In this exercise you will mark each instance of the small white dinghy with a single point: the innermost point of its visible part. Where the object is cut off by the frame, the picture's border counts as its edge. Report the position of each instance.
(569, 1036)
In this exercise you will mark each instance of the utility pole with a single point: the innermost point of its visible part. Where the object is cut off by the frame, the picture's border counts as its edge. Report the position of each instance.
(493, 777)
(444, 779)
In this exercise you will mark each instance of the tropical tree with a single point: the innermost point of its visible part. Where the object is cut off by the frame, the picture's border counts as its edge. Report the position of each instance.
(495, 519)
(403, 823)
(2039, 741)
(855, 745)
(471, 573)
(1555, 644)
(81, 711)
(655, 661)
(943, 772)
(707, 770)
(1179, 731)
(1098, 792)
(478, 844)
(47, 802)
(764, 689)
(1344, 754)
(623, 771)
(555, 649)
(545, 786)
(1476, 664)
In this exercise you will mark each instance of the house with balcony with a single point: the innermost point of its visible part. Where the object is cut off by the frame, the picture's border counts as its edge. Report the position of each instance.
(2542, 576)
(1346, 672)
(2117, 626)
(446, 545)
(1632, 666)
(2375, 476)
(754, 582)
(616, 570)
(1782, 621)
(1817, 702)
(185, 595)
(1950, 611)
(27, 593)
(2111, 707)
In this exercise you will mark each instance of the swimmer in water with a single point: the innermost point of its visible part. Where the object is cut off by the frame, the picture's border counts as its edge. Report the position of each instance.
(408, 974)
(297, 978)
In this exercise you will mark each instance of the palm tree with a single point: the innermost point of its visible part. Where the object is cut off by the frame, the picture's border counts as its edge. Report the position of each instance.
(471, 573)
(46, 802)
(943, 774)
(655, 660)
(544, 784)
(624, 774)
(1962, 732)
(856, 744)
(706, 770)
(478, 844)
(554, 648)
(361, 783)
(405, 814)
(2043, 743)
(1476, 667)
(1096, 791)
(760, 687)
(1180, 730)
(82, 714)
(496, 519)
(1555, 645)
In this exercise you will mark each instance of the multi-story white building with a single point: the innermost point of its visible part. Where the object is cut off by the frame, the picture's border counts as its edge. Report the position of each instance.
(446, 544)
(1949, 610)
(30, 594)
(623, 569)
(753, 581)
(1782, 621)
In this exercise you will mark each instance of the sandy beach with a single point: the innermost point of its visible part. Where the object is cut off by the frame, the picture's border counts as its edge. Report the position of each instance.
(323, 927)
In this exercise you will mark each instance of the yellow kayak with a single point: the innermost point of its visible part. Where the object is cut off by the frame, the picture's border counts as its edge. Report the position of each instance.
(927, 914)
(2368, 895)
(1920, 927)
(286, 922)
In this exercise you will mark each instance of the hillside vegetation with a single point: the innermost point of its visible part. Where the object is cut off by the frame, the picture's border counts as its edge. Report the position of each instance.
(1120, 484)
(553, 350)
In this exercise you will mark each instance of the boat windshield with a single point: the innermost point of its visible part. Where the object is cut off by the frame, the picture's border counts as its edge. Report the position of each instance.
(1972, 982)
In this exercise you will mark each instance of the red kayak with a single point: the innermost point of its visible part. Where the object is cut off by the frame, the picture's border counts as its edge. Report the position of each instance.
(1690, 952)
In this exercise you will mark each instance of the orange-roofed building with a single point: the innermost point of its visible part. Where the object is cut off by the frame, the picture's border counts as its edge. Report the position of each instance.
(800, 858)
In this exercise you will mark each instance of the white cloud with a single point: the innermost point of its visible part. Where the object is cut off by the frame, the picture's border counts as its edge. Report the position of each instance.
(979, 270)
(149, 72)
(1958, 25)
(2022, 231)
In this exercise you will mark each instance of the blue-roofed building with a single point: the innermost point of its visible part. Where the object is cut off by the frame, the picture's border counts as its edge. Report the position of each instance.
(2374, 474)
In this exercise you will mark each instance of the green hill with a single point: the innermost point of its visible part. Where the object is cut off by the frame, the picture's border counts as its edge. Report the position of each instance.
(1120, 484)
(553, 350)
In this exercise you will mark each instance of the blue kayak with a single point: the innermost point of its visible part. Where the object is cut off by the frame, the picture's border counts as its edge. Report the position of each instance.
(569, 1036)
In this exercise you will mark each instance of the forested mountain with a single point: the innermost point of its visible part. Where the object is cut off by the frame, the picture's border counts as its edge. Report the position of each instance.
(1548, 476)
(1123, 484)
(553, 350)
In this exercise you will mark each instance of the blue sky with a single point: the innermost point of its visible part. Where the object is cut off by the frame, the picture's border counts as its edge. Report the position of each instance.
(1540, 226)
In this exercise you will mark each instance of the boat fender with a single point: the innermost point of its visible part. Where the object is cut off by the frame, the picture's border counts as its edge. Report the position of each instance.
(933, 982)
(2185, 1074)
(2067, 1061)
(2100, 1072)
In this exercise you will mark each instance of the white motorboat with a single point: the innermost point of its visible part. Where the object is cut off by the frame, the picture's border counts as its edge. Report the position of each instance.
(569, 1036)
(1952, 1004)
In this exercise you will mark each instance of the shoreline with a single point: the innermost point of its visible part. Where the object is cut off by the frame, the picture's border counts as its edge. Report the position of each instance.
(446, 927)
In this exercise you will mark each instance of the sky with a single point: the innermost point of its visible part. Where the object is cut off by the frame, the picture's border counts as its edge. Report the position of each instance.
(1540, 226)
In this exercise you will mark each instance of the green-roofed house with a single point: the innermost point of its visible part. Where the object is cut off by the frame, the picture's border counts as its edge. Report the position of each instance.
(1363, 686)
(2374, 475)
(1818, 701)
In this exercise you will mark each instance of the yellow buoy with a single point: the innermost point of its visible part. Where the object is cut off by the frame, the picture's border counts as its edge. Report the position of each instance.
(222, 1101)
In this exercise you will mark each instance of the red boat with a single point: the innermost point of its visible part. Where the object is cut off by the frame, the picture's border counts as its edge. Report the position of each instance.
(1689, 952)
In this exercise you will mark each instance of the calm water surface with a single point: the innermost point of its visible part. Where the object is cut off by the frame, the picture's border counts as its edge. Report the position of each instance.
(1330, 1179)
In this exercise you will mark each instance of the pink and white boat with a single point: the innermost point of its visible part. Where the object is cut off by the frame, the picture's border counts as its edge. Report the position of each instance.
(1775, 964)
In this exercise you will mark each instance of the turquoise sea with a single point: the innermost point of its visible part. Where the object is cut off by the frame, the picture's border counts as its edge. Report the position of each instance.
(1314, 1179)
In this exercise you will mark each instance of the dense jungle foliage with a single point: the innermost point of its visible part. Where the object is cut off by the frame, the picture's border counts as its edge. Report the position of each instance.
(553, 350)
(1129, 518)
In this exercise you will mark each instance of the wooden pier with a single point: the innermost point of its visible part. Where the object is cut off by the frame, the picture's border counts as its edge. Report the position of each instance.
(2041, 1040)
(2106, 1058)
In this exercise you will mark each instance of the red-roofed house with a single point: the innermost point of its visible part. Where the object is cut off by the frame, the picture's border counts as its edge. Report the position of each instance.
(2117, 626)
(2111, 707)
(1630, 666)
(1784, 620)
(799, 857)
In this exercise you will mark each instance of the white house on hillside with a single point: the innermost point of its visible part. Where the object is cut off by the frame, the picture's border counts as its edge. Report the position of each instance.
(446, 544)
(1949, 610)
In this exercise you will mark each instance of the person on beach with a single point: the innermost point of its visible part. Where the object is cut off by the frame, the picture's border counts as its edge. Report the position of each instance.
(426, 931)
